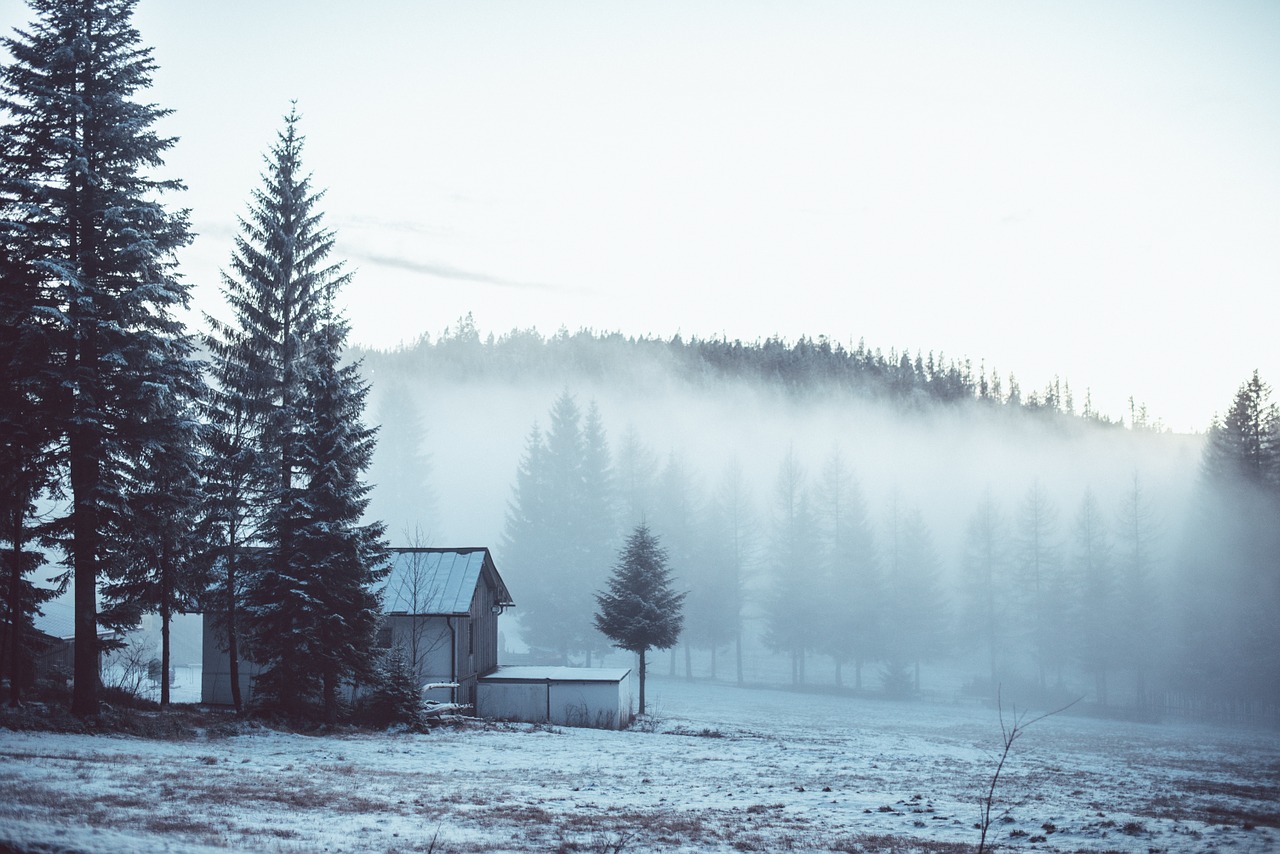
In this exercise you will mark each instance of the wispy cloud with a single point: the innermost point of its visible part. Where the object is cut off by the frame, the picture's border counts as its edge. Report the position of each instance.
(445, 271)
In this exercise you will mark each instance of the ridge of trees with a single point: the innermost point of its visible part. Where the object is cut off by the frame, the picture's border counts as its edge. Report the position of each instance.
(805, 365)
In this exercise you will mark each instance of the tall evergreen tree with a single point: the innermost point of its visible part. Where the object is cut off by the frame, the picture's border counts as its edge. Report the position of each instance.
(640, 611)
(405, 498)
(326, 587)
(726, 551)
(289, 410)
(80, 155)
(1232, 589)
(162, 566)
(1095, 633)
(1037, 567)
(848, 605)
(677, 511)
(914, 608)
(27, 461)
(559, 528)
(1139, 606)
(793, 550)
(986, 586)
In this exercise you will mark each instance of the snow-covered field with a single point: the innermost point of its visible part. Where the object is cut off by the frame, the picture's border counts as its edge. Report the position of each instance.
(725, 769)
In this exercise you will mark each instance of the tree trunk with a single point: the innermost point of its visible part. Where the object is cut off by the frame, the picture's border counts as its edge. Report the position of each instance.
(166, 614)
(84, 483)
(330, 682)
(642, 652)
(737, 646)
(233, 644)
(15, 610)
(688, 663)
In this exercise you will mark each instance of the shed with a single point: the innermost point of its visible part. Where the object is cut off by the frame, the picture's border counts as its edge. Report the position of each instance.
(566, 696)
(440, 609)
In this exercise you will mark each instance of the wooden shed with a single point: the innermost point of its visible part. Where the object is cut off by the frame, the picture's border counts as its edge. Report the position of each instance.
(566, 696)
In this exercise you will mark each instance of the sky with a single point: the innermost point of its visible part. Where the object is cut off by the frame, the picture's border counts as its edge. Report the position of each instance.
(1080, 189)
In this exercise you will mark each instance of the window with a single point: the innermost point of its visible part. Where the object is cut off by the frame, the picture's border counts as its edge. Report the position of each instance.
(384, 637)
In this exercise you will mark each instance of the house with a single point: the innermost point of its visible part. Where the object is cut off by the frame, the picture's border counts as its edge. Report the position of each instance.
(441, 610)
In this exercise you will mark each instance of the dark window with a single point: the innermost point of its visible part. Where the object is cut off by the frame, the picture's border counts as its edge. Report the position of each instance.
(384, 637)
(471, 638)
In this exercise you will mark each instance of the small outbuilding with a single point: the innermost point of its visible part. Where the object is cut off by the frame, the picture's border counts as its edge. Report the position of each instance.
(566, 696)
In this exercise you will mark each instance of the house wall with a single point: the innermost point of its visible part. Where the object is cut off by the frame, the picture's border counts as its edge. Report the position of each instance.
(426, 643)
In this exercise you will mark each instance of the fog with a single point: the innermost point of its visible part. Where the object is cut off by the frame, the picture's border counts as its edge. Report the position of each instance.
(940, 459)
(450, 481)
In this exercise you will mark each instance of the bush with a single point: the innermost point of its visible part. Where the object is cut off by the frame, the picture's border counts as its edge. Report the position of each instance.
(395, 698)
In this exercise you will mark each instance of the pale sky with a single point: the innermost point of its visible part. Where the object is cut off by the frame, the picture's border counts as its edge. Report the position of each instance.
(1090, 189)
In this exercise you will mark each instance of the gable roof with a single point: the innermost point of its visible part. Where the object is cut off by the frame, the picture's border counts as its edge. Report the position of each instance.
(439, 581)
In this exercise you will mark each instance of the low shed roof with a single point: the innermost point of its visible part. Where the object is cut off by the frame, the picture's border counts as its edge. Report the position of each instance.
(439, 581)
(527, 673)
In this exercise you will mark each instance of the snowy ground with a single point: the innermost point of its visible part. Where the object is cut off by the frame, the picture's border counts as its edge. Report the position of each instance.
(726, 769)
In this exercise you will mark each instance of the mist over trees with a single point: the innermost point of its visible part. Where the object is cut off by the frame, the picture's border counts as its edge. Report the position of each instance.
(883, 541)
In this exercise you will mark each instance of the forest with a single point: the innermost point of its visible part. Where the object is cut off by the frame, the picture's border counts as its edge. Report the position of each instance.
(861, 515)
(852, 514)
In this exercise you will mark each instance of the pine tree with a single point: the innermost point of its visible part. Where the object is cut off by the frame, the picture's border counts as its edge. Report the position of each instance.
(1138, 607)
(232, 494)
(162, 566)
(676, 512)
(913, 603)
(848, 605)
(727, 548)
(559, 527)
(1232, 589)
(599, 504)
(338, 559)
(27, 461)
(405, 498)
(640, 611)
(789, 608)
(290, 411)
(79, 154)
(1095, 622)
(986, 588)
(1037, 567)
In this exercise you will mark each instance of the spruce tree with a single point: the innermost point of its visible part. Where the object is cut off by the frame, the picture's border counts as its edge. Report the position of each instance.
(27, 461)
(848, 605)
(986, 587)
(289, 413)
(559, 525)
(80, 153)
(789, 607)
(640, 611)
(1095, 632)
(326, 586)
(162, 565)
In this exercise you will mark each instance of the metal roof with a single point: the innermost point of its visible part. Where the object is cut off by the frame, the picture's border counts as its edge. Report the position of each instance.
(439, 581)
(530, 673)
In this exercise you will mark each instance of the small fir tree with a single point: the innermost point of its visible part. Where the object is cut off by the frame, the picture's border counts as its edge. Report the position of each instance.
(640, 611)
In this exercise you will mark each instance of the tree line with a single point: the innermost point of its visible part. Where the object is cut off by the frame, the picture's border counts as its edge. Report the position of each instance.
(1043, 595)
(803, 367)
(232, 485)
